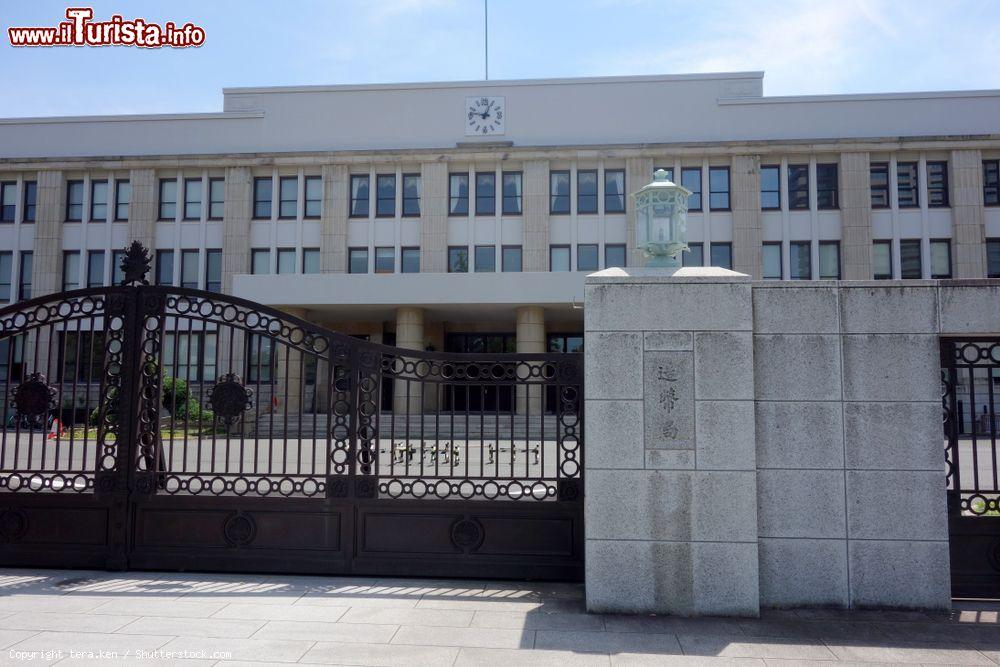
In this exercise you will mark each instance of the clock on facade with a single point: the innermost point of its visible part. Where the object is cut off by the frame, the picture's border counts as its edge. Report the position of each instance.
(485, 115)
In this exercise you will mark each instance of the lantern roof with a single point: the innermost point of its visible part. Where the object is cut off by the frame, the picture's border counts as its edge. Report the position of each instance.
(661, 183)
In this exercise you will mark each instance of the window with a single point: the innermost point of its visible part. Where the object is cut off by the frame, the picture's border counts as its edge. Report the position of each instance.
(798, 189)
(95, 268)
(8, 201)
(30, 199)
(99, 200)
(190, 356)
(722, 255)
(614, 191)
(512, 193)
(458, 259)
(909, 259)
(213, 270)
(691, 179)
(718, 188)
(409, 260)
(12, 358)
(829, 260)
(486, 259)
(458, 194)
(772, 260)
(878, 180)
(117, 275)
(189, 269)
(192, 199)
(216, 198)
(559, 193)
(586, 191)
(359, 196)
(262, 192)
(827, 187)
(81, 356)
(288, 197)
(906, 185)
(6, 274)
(770, 188)
(385, 195)
(164, 267)
(486, 194)
(937, 184)
(286, 261)
(992, 259)
(411, 194)
(71, 270)
(260, 261)
(800, 260)
(510, 256)
(614, 255)
(559, 258)
(357, 260)
(310, 260)
(385, 260)
(74, 201)
(991, 182)
(695, 255)
(586, 257)
(123, 196)
(168, 199)
(260, 358)
(565, 343)
(882, 260)
(24, 288)
(940, 258)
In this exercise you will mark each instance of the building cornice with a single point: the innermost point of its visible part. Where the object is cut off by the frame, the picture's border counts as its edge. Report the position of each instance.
(52, 120)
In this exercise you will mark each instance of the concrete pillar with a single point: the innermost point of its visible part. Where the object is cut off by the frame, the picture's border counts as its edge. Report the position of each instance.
(968, 244)
(530, 339)
(408, 396)
(142, 209)
(46, 275)
(235, 256)
(535, 251)
(855, 217)
(333, 236)
(433, 217)
(638, 172)
(747, 226)
(289, 385)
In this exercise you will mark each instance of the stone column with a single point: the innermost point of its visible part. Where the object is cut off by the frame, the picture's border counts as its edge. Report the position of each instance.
(968, 244)
(638, 172)
(671, 502)
(748, 231)
(46, 275)
(288, 381)
(142, 211)
(333, 236)
(535, 253)
(433, 217)
(855, 217)
(410, 336)
(235, 255)
(530, 339)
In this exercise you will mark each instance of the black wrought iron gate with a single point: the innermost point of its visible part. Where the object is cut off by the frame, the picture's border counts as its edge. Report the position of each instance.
(157, 427)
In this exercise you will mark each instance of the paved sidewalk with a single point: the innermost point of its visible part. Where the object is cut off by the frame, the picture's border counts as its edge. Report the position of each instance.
(206, 619)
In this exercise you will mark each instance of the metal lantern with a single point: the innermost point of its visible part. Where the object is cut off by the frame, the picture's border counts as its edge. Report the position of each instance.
(661, 221)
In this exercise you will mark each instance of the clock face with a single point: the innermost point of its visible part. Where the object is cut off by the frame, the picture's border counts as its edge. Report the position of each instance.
(484, 115)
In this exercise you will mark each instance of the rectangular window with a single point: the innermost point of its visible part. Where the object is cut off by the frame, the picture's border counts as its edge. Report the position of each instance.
(164, 267)
(117, 274)
(722, 255)
(882, 260)
(559, 192)
(357, 260)
(95, 268)
(770, 188)
(486, 193)
(24, 288)
(510, 256)
(910, 265)
(216, 198)
(99, 200)
(937, 184)
(288, 197)
(940, 258)
(213, 270)
(586, 257)
(314, 196)
(800, 260)
(192, 199)
(168, 198)
(614, 255)
(798, 189)
(906, 185)
(190, 356)
(559, 259)
(262, 193)
(123, 197)
(74, 201)
(6, 274)
(409, 260)
(80, 356)
(189, 269)
(286, 261)
(458, 259)
(718, 188)
(878, 180)
(586, 191)
(260, 358)
(992, 258)
(411, 195)
(30, 199)
(385, 260)
(614, 191)
(827, 187)
(385, 196)
(486, 259)
(71, 270)
(8, 201)
(458, 194)
(359, 196)
(310, 260)
(512, 193)
(829, 260)
(991, 182)
(695, 256)
(772, 260)
(691, 179)
(260, 261)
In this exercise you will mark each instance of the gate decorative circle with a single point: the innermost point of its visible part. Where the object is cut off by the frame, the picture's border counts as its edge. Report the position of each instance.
(467, 534)
(13, 524)
(33, 397)
(239, 529)
(230, 398)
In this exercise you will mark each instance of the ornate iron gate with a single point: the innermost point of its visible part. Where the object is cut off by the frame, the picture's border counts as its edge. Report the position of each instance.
(155, 427)
(971, 382)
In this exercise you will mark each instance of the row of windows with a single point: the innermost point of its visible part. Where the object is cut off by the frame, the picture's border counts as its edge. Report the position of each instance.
(800, 260)
(911, 259)
(192, 198)
(260, 261)
(908, 184)
(718, 187)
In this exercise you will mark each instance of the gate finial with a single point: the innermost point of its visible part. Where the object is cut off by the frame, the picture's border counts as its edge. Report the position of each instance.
(135, 265)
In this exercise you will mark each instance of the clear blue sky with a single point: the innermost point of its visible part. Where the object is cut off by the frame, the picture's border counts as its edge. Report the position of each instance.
(829, 46)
